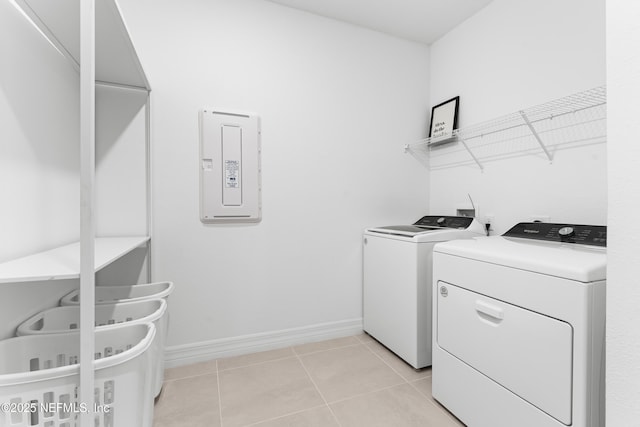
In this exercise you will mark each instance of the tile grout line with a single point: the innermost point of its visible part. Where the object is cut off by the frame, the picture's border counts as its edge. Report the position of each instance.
(364, 341)
(443, 410)
(293, 354)
(417, 389)
(385, 362)
(189, 377)
(367, 392)
(326, 349)
(284, 415)
(431, 400)
(318, 390)
(258, 363)
(219, 395)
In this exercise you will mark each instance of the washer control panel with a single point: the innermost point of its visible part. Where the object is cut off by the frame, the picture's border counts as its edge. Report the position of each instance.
(594, 235)
(460, 222)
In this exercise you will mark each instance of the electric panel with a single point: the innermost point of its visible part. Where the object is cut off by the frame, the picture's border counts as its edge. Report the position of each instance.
(230, 167)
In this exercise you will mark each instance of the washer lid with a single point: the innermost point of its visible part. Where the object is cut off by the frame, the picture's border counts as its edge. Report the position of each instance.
(572, 261)
(403, 230)
(430, 224)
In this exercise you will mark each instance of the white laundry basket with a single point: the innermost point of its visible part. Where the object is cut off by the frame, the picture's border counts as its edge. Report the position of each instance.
(39, 378)
(64, 319)
(123, 293)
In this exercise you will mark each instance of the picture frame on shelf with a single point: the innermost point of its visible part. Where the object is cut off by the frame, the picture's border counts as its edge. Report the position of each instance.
(444, 120)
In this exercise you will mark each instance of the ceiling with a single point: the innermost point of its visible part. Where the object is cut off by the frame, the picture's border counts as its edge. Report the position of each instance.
(422, 21)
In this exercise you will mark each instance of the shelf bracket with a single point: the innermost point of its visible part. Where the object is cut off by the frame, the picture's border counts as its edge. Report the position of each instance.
(475, 159)
(535, 134)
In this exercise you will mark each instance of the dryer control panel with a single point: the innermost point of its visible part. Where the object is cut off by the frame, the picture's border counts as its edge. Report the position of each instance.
(594, 235)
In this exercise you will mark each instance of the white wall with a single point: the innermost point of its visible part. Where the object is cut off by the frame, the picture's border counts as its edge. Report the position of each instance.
(121, 202)
(121, 178)
(39, 162)
(337, 105)
(39, 141)
(512, 55)
(623, 270)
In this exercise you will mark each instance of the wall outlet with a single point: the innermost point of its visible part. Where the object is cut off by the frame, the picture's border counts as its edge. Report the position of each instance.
(488, 220)
(539, 218)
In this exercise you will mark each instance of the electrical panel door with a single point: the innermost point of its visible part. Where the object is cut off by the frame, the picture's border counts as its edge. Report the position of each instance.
(230, 167)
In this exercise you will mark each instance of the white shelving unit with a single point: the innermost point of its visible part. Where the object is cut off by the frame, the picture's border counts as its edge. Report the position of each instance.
(572, 121)
(93, 36)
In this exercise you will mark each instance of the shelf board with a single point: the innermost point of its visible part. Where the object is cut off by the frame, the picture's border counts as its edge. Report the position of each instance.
(64, 262)
(116, 59)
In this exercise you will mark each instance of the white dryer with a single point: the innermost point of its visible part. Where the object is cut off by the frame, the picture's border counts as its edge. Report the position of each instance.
(519, 324)
(397, 282)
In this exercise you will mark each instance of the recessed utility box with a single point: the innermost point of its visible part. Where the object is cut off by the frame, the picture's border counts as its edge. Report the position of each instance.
(466, 212)
(230, 167)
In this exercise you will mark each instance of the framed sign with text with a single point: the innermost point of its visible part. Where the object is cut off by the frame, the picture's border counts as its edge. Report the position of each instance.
(444, 120)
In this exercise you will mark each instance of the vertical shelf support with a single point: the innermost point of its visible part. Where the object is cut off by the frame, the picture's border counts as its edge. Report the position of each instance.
(535, 134)
(87, 204)
(475, 159)
(148, 184)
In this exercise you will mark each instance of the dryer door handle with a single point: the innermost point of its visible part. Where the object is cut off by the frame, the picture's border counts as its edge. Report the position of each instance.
(489, 310)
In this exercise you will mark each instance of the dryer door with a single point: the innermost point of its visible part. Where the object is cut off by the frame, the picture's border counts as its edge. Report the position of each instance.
(524, 351)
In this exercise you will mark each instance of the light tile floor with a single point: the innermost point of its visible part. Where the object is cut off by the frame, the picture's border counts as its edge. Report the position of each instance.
(345, 382)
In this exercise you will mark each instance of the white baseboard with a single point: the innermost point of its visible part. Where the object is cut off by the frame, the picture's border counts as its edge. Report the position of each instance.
(208, 350)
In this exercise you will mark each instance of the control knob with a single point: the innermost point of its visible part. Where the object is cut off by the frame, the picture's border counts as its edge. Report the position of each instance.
(566, 234)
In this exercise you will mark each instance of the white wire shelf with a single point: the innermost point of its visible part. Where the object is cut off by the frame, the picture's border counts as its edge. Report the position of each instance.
(573, 121)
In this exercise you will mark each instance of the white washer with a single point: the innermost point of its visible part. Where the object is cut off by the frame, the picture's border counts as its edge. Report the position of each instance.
(397, 282)
(519, 327)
